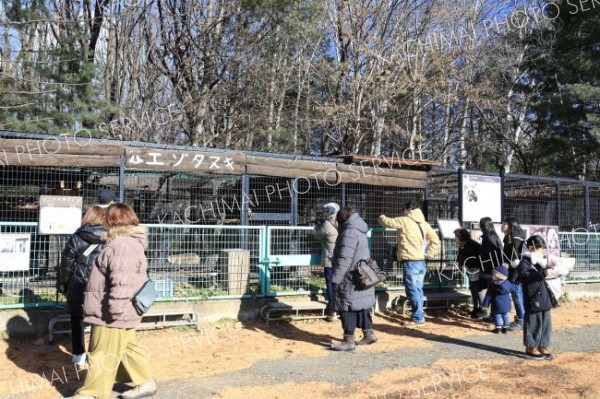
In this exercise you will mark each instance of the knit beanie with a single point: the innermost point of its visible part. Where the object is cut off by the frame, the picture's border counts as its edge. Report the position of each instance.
(500, 273)
(331, 207)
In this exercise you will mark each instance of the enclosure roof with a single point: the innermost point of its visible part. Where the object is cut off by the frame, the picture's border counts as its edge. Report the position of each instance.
(43, 150)
(394, 159)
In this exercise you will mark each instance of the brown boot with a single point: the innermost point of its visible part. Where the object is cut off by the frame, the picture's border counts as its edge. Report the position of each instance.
(533, 354)
(544, 352)
(368, 338)
(347, 344)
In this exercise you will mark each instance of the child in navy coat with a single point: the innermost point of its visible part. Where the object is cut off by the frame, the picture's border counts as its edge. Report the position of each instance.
(499, 292)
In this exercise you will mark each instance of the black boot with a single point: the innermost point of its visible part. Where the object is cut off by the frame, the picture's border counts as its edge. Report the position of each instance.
(368, 338)
(516, 325)
(347, 344)
(478, 313)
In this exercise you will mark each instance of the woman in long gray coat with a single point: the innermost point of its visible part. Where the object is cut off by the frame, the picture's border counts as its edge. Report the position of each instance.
(354, 305)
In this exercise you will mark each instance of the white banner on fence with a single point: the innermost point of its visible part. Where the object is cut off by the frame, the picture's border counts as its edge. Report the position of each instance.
(14, 252)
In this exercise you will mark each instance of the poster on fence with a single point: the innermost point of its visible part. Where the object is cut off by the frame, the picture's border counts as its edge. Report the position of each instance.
(14, 252)
(481, 197)
(550, 235)
(59, 214)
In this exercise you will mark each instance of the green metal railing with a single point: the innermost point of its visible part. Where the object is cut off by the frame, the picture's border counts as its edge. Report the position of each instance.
(201, 262)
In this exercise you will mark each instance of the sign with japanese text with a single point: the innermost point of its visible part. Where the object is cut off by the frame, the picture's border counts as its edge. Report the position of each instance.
(165, 160)
(59, 214)
(14, 252)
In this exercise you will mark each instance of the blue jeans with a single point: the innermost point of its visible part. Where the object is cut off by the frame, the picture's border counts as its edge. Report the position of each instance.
(518, 300)
(330, 293)
(502, 318)
(413, 273)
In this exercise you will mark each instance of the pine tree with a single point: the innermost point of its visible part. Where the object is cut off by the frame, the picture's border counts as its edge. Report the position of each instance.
(567, 112)
(52, 87)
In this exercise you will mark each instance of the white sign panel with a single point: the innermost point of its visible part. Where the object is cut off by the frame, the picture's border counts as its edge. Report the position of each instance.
(59, 214)
(447, 227)
(481, 197)
(14, 252)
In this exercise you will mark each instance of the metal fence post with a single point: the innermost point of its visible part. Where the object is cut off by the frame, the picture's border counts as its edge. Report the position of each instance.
(122, 166)
(294, 202)
(558, 206)
(586, 204)
(244, 210)
(502, 195)
(460, 196)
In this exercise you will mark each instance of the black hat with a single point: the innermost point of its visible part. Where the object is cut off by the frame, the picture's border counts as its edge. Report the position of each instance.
(107, 196)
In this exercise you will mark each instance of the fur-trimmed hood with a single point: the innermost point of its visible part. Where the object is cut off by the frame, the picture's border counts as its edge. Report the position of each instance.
(140, 233)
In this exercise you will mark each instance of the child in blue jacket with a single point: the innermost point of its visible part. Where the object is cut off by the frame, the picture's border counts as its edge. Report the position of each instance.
(499, 292)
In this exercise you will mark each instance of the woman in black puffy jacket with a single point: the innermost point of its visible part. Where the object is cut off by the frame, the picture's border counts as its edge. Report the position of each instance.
(514, 239)
(77, 259)
(538, 299)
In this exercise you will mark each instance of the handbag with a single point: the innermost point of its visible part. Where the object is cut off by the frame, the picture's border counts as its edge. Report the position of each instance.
(367, 274)
(145, 297)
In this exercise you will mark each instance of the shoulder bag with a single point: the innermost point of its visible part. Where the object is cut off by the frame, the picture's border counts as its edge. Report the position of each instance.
(366, 274)
(145, 297)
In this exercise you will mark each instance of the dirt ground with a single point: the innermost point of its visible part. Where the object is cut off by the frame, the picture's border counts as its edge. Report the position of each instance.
(29, 368)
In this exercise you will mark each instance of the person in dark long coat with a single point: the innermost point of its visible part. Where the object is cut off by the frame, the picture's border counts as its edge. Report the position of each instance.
(539, 300)
(468, 256)
(353, 304)
(77, 259)
(514, 238)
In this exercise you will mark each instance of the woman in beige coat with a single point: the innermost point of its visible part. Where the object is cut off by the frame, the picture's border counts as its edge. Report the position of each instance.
(119, 272)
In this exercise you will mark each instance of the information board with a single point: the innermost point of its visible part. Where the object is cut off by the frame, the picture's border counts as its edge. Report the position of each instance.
(14, 252)
(59, 214)
(481, 197)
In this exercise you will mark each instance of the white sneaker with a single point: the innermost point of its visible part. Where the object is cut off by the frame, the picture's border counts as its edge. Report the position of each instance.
(79, 359)
(145, 390)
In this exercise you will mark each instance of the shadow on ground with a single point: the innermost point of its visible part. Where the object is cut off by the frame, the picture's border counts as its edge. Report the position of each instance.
(285, 330)
(397, 328)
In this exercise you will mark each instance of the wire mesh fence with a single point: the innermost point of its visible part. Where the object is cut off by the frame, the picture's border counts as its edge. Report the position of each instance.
(207, 261)
(191, 262)
(442, 195)
(22, 186)
(33, 283)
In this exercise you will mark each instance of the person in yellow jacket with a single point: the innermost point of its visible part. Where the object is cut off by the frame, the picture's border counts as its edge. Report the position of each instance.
(416, 242)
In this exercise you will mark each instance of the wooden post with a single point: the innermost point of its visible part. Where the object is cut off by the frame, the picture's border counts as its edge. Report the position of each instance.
(235, 269)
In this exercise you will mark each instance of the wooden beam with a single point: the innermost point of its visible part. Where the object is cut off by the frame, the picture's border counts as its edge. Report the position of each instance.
(53, 146)
(313, 166)
(376, 180)
(333, 177)
(99, 161)
(330, 176)
(362, 170)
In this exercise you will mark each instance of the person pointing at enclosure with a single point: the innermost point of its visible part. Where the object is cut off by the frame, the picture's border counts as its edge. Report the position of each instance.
(416, 242)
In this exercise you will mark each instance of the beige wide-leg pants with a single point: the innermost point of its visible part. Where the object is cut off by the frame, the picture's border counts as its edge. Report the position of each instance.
(115, 356)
